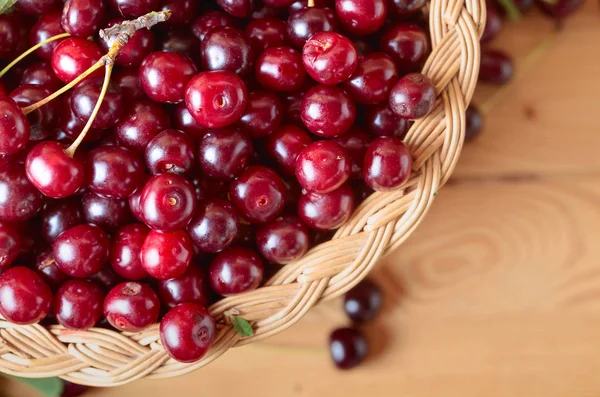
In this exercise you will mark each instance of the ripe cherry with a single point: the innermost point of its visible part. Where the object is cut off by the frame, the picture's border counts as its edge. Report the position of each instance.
(493, 25)
(284, 240)
(182, 11)
(327, 111)
(24, 297)
(355, 143)
(9, 35)
(388, 164)
(48, 25)
(323, 166)
(183, 120)
(214, 226)
(19, 199)
(108, 213)
(413, 96)
(78, 304)
(361, 17)
(348, 347)
(405, 8)
(329, 58)
(125, 252)
(235, 270)
(81, 251)
(363, 302)
(380, 120)
(43, 120)
(496, 67)
(226, 48)
(131, 307)
(210, 20)
(263, 114)
(58, 216)
(305, 22)
(133, 9)
(10, 245)
(170, 151)
(180, 41)
(326, 211)
(407, 44)
(85, 96)
(83, 17)
(166, 255)
(224, 153)
(113, 171)
(14, 127)
(137, 48)
(373, 79)
(192, 286)
(141, 123)
(73, 56)
(46, 267)
(266, 33)
(237, 8)
(280, 69)
(127, 80)
(41, 73)
(37, 7)
(474, 123)
(164, 76)
(284, 146)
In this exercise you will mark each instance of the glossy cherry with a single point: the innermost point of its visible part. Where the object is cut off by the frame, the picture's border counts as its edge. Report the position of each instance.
(263, 114)
(474, 123)
(73, 56)
(180, 41)
(284, 240)
(48, 25)
(380, 120)
(307, 21)
(187, 332)
(216, 99)
(14, 127)
(81, 251)
(235, 270)
(10, 245)
(24, 296)
(405, 8)
(137, 48)
(284, 145)
(210, 20)
(224, 153)
(361, 17)
(114, 171)
(182, 11)
(413, 96)
(258, 193)
(266, 33)
(37, 7)
(83, 18)
(183, 120)
(348, 347)
(170, 151)
(192, 286)
(363, 302)
(125, 252)
(166, 255)
(71, 125)
(373, 79)
(407, 44)
(41, 73)
(19, 199)
(355, 143)
(164, 76)
(9, 35)
(133, 8)
(127, 80)
(108, 213)
(141, 123)
(226, 48)
(78, 304)
(59, 216)
(280, 69)
(327, 111)
(323, 166)
(84, 99)
(387, 164)
(46, 267)
(52, 171)
(214, 226)
(326, 211)
(237, 8)
(329, 58)
(496, 67)
(167, 202)
(43, 120)
(493, 25)
(131, 306)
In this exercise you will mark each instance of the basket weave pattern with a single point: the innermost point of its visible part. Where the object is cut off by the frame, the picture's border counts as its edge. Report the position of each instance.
(100, 357)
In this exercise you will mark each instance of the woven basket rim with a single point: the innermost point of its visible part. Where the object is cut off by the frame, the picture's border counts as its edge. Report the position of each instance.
(100, 357)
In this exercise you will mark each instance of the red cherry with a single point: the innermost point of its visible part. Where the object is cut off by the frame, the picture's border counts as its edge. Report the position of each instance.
(326, 211)
(192, 286)
(235, 270)
(125, 252)
(387, 164)
(323, 166)
(131, 307)
(81, 251)
(24, 297)
(78, 304)
(166, 255)
(73, 56)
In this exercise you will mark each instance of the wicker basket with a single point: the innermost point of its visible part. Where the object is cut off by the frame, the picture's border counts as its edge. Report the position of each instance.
(100, 357)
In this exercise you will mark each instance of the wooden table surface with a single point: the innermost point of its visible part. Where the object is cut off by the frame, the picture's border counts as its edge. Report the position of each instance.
(498, 292)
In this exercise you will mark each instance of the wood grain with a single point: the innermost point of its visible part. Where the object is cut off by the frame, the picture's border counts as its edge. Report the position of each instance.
(498, 291)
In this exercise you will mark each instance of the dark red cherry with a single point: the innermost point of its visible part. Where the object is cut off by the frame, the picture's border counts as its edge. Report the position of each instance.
(361, 17)
(183, 120)
(258, 193)
(407, 44)
(141, 123)
(214, 226)
(496, 67)
(327, 111)
(323, 166)
(405, 8)
(114, 171)
(237, 8)
(167, 255)
(300, 4)
(59, 216)
(305, 22)
(14, 127)
(560, 8)
(284, 145)
(187, 332)
(226, 48)
(387, 165)
(73, 56)
(137, 48)
(83, 18)
(363, 302)
(266, 33)
(106, 278)
(263, 114)
(81, 251)
(355, 143)
(206, 187)
(348, 347)
(127, 80)
(48, 25)
(78, 304)
(134, 202)
(380, 120)
(37, 7)
(235, 270)
(10, 245)
(210, 20)
(24, 200)
(413, 96)
(133, 9)
(180, 41)
(43, 120)
(108, 213)
(192, 286)
(46, 267)
(9, 35)
(164, 76)
(182, 11)
(373, 79)
(326, 211)
(71, 125)
(329, 58)
(216, 99)
(474, 123)
(493, 25)
(168, 202)
(280, 69)
(131, 307)
(24, 297)
(84, 99)
(170, 151)
(41, 73)
(224, 153)
(284, 240)
(52, 171)
(125, 252)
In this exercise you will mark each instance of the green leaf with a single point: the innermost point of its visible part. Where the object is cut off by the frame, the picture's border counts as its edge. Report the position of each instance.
(241, 326)
(6, 5)
(49, 387)
(511, 9)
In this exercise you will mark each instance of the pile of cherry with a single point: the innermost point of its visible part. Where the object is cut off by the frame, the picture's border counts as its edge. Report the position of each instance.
(224, 142)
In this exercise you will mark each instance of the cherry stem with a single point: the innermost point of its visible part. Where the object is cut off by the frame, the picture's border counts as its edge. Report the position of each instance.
(70, 151)
(32, 49)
